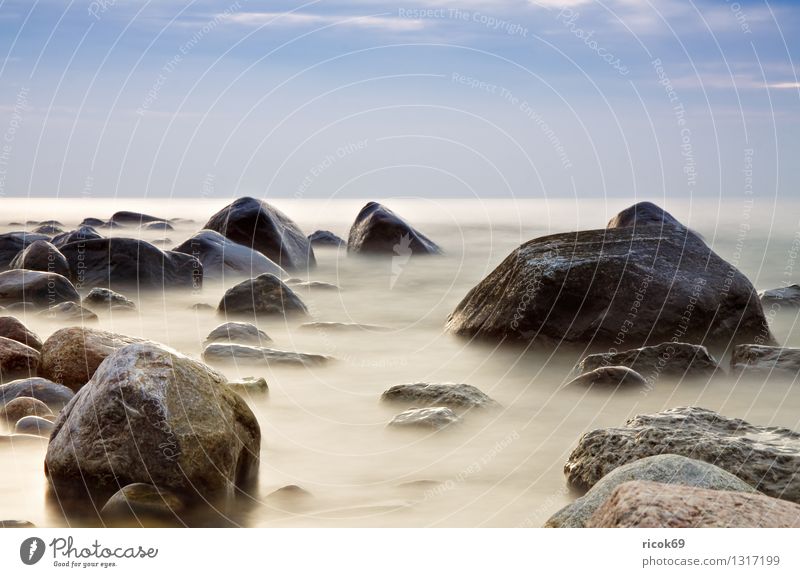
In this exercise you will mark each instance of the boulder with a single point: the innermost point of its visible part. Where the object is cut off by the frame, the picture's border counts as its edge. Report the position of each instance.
(325, 238)
(314, 285)
(250, 385)
(262, 227)
(677, 360)
(71, 355)
(83, 233)
(12, 328)
(52, 394)
(644, 214)
(264, 295)
(454, 396)
(42, 289)
(92, 221)
(139, 500)
(17, 360)
(119, 263)
(33, 425)
(68, 313)
(12, 243)
(655, 505)
(47, 229)
(668, 469)
(232, 353)
(766, 360)
(152, 415)
(766, 458)
(42, 256)
(133, 218)
(428, 418)
(20, 407)
(379, 231)
(103, 298)
(787, 296)
(609, 377)
(614, 287)
(241, 333)
(158, 225)
(16, 524)
(222, 257)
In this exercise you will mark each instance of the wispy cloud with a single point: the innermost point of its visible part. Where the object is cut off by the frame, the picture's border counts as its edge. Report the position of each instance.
(381, 22)
(785, 85)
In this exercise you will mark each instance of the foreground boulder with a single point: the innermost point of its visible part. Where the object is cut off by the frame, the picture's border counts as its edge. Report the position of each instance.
(608, 377)
(582, 288)
(264, 295)
(379, 231)
(454, 396)
(766, 360)
(119, 263)
(42, 256)
(81, 234)
(11, 243)
(17, 360)
(678, 360)
(223, 257)
(40, 289)
(669, 469)
(152, 415)
(233, 353)
(12, 328)
(428, 418)
(325, 238)
(241, 333)
(71, 356)
(262, 227)
(103, 298)
(787, 296)
(766, 458)
(656, 505)
(52, 394)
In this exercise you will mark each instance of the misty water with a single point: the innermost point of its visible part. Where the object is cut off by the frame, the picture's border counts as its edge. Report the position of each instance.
(324, 429)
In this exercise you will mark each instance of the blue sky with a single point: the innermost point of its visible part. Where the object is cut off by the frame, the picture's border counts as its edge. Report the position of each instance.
(439, 98)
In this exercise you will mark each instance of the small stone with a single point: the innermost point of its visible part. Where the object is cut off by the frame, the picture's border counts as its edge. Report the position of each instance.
(21, 407)
(33, 425)
(439, 395)
(250, 384)
(609, 377)
(430, 417)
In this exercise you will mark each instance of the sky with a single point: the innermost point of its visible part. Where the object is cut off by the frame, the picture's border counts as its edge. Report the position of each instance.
(374, 99)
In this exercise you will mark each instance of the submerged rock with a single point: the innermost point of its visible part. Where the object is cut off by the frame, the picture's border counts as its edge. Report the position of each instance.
(20, 407)
(223, 257)
(767, 458)
(16, 524)
(41, 256)
(47, 229)
(17, 360)
(313, 285)
(325, 238)
(158, 225)
(133, 218)
(264, 295)
(42, 289)
(613, 376)
(142, 500)
(613, 287)
(430, 417)
(250, 384)
(69, 313)
(788, 296)
(241, 333)
(100, 298)
(12, 328)
(34, 425)
(656, 505)
(342, 327)
(52, 394)
(669, 469)
(83, 233)
(262, 227)
(440, 395)
(152, 415)
(379, 231)
(764, 359)
(233, 353)
(679, 360)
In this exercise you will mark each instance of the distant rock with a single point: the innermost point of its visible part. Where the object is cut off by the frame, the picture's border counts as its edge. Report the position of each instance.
(342, 327)
(230, 353)
(646, 504)
(17, 361)
(222, 257)
(103, 298)
(430, 418)
(42, 256)
(767, 458)
(68, 313)
(644, 214)
(201, 307)
(609, 377)
(20, 407)
(52, 394)
(47, 229)
(313, 285)
(787, 296)
(241, 333)
(379, 231)
(264, 295)
(33, 425)
(83, 233)
(91, 221)
(42, 289)
(262, 227)
(669, 469)
(158, 225)
(133, 218)
(454, 396)
(142, 500)
(678, 360)
(325, 238)
(250, 384)
(766, 360)
(12, 328)
(12, 243)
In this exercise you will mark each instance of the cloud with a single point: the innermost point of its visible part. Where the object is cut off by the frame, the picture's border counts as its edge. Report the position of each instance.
(379, 22)
(785, 85)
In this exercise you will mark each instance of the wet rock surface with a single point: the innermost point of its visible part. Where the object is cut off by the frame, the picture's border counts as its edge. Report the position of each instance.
(678, 360)
(222, 257)
(264, 295)
(379, 231)
(426, 418)
(449, 395)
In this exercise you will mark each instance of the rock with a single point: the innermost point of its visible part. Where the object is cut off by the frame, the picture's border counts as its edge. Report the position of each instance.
(17, 360)
(242, 333)
(71, 356)
(201, 307)
(20, 407)
(42, 256)
(152, 415)
(788, 296)
(33, 425)
(52, 394)
(42, 289)
(119, 263)
(333, 326)
(22, 308)
(164, 242)
(103, 298)
(47, 229)
(133, 218)
(669, 469)
(69, 313)
(600, 288)
(764, 359)
(767, 458)
(142, 500)
(223, 257)
(81, 234)
(440, 395)
(430, 417)
(262, 227)
(250, 384)
(678, 360)
(315, 285)
(264, 295)
(644, 214)
(325, 238)
(289, 497)
(16, 524)
(158, 225)
(91, 221)
(656, 505)
(232, 353)
(379, 231)
(613, 376)
(12, 243)
(13, 329)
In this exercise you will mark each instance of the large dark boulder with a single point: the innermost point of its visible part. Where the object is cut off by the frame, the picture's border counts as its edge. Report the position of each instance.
(379, 231)
(133, 218)
(619, 288)
(325, 238)
(11, 243)
(264, 228)
(40, 289)
(83, 233)
(120, 263)
(222, 257)
(264, 295)
(43, 256)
